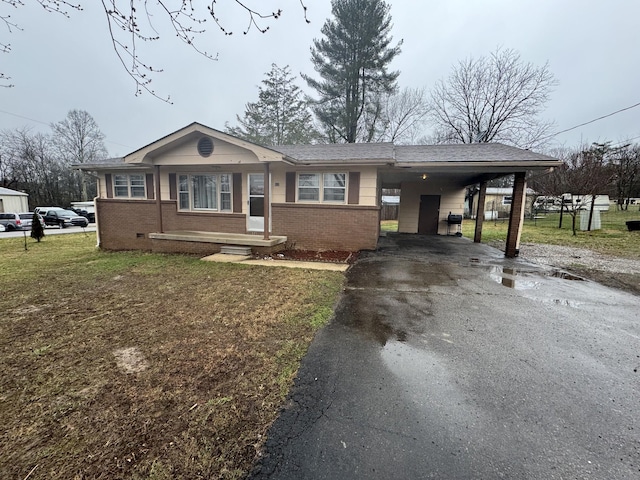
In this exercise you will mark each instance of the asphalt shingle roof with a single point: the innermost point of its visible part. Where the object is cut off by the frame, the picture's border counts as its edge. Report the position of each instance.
(469, 152)
(339, 152)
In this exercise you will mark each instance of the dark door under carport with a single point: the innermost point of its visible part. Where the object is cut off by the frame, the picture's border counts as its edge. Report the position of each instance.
(429, 214)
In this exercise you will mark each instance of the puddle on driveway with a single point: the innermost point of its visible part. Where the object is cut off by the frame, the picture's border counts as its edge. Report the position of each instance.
(523, 279)
(511, 278)
(566, 275)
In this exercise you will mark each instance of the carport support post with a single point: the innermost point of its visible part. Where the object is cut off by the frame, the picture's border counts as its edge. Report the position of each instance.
(482, 193)
(516, 216)
(267, 200)
(158, 199)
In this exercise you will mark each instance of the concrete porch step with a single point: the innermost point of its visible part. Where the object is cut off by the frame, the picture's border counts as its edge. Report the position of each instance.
(235, 250)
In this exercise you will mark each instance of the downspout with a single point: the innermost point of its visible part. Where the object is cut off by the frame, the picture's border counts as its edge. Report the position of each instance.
(158, 199)
(267, 200)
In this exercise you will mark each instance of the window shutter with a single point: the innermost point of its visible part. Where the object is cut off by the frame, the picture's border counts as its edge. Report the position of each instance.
(237, 193)
(108, 185)
(173, 188)
(354, 188)
(150, 192)
(290, 189)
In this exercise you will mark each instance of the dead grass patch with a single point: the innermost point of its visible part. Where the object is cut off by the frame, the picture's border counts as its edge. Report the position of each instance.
(131, 365)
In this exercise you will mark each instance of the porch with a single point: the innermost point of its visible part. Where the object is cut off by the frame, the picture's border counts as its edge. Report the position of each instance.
(207, 243)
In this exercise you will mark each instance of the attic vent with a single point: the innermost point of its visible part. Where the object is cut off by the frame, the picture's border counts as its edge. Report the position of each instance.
(205, 146)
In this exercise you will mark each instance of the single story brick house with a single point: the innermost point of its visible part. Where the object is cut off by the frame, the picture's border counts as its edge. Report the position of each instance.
(198, 189)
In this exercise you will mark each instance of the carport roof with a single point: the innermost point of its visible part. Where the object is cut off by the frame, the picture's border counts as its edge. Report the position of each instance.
(467, 153)
(416, 155)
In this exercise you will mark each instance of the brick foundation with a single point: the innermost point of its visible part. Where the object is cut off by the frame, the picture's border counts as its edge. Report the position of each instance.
(327, 227)
(125, 225)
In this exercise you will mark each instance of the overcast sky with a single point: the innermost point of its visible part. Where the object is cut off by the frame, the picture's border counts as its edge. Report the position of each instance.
(58, 64)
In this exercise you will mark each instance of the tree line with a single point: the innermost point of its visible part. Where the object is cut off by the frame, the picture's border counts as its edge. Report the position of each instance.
(40, 163)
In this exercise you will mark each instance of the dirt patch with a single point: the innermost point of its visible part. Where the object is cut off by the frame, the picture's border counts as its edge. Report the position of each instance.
(331, 256)
(130, 360)
(615, 272)
(629, 282)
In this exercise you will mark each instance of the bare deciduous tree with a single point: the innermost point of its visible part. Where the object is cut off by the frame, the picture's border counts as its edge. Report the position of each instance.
(626, 168)
(405, 115)
(132, 22)
(78, 139)
(584, 174)
(31, 162)
(493, 99)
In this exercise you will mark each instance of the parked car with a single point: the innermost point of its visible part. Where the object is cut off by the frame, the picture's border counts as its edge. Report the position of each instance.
(2, 229)
(87, 212)
(27, 219)
(63, 218)
(11, 221)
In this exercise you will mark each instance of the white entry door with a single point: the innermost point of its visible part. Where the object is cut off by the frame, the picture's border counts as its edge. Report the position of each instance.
(255, 219)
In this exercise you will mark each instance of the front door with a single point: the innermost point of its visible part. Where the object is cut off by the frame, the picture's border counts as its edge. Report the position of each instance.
(429, 215)
(255, 222)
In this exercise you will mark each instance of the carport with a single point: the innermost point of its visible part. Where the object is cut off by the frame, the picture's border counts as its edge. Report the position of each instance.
(433, 180)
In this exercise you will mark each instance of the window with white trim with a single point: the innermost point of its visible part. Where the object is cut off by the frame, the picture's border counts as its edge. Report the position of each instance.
(322, 187)
(129, 186)
(205, 192)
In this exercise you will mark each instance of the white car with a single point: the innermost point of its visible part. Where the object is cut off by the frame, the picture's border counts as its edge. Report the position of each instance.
(2, 229)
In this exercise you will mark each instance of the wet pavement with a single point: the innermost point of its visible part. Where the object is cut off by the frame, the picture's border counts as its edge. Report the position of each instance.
(445, 360)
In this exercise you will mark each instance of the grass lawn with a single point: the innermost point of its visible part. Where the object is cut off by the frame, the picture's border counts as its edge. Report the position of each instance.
(145, 366)
(612, 239)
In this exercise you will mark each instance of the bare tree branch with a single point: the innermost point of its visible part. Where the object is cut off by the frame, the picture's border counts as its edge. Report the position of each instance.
(132, 21)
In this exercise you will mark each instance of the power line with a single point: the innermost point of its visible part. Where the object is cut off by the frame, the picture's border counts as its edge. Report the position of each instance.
(48, 125)
(26, 118)
(591, 121)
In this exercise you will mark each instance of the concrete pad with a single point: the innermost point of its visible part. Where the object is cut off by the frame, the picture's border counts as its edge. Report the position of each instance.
(336, 267)
(226, 258)
(248, 259)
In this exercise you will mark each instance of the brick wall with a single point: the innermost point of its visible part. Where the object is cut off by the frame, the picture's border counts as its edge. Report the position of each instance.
(124, 224)
(327, 227)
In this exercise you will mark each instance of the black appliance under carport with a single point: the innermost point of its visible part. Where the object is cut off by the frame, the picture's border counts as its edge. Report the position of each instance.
(454, 224)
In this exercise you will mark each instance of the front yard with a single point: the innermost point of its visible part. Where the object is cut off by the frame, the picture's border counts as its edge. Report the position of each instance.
(133, 365)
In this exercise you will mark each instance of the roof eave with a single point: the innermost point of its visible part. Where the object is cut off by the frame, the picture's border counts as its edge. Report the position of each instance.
(527, 165)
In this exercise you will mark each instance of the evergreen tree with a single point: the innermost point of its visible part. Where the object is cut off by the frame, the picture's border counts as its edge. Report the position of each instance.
(352, 61)
(37, 228)
(281, 116)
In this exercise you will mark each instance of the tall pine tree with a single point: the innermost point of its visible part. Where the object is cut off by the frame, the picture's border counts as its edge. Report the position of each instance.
(352, 61)
(281, 116)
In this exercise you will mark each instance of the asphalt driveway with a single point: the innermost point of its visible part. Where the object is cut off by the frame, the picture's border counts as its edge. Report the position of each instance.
(445, 360)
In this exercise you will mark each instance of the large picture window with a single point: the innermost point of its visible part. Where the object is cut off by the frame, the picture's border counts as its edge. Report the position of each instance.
(205, 192)
(322, 187)
(129, 186)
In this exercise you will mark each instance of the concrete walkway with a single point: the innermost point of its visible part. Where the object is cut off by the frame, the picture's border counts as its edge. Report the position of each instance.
(249, 260)
(445, 360)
